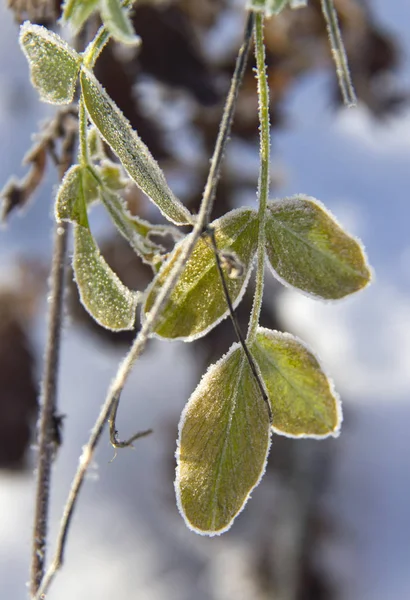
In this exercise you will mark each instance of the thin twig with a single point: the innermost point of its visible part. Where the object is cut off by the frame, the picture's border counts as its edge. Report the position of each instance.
(152, 318)
(239, 335)
(213, 175)
(339, 53)
(46, 441)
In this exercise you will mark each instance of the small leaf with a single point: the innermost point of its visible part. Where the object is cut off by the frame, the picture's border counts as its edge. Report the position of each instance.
(54, 66)
(269, 7)
(105, 297)
(302, 398)
(118, 23)
(76, 12)
(134, 155)
(308, 250)
(224, 438)
(197, 302)
(77, 190)
(135, 230)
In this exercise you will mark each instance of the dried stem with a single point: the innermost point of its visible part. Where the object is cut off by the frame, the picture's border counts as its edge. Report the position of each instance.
(138, 346)
(46, 439)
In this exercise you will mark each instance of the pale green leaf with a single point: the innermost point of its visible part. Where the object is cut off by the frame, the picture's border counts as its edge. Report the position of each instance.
(76, 12)
(118, 23)
(224, 438)
(197, 302)
(302, 398)
(77, 190)
(134, 155)
(54, 66)
(269, 7)
(308, 249)
(113, 175)
(104, 296)
(135, 230)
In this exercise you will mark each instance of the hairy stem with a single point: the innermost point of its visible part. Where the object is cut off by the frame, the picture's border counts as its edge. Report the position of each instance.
(339, 53)
(111, 402)
(227, 117)
(263, 185)
(96, 46)
(82, 131)
(46, 441)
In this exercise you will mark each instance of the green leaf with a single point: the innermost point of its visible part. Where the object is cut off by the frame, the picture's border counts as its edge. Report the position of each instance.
(77, 190)
(223, 443)
(118, 23)
(269, 7)
(134, 155)
(135, 230)
(308, 250)
(76, 12)
(302, 398)
(104, 296)
(54, 66)
(197, 302)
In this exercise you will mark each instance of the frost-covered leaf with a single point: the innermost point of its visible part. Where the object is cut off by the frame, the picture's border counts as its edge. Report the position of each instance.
(118, 23)
(224, 437)
(130, 149)
(54, 66)
(112, 175)
(77, 190)
(269, 7)
(105, 297)
(135, 230)
(302, 398)
(308, 249)
(197, 302)
(76, 12)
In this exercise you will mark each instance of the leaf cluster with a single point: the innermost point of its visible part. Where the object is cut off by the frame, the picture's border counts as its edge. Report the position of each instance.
(226, 426)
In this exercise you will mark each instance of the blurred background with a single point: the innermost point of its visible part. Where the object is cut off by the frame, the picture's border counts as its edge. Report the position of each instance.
(330, 520)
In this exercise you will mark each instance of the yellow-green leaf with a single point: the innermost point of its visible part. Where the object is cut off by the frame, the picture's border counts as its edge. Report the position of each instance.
(197, 302)
(130, 149)
(224, 438)
(118, 23)
(302, 398)
(54, 66)
(105, 297)
(76, 12)
(308, 249)
(77, 190)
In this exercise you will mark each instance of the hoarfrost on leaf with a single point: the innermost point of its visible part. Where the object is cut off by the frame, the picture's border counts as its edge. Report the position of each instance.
(223, 444)
(54, 65)
(309, 250)
(131, 150)
(76, 12)
(118, 23)
(105, 297)
(302, 398)
(197, 302)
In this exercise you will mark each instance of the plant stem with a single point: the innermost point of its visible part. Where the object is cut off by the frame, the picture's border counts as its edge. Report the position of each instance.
(263, 185)
(339, 53)
(83, 157)
(138, 346)
(46, 443)
(227, 117)
(95, 47)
